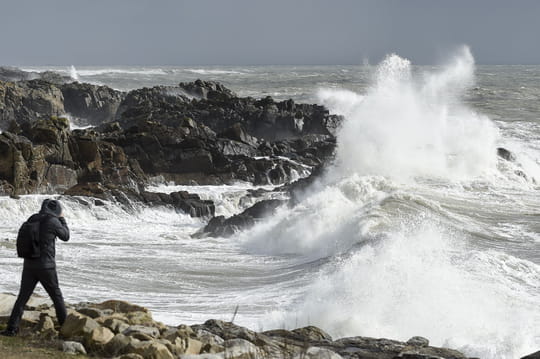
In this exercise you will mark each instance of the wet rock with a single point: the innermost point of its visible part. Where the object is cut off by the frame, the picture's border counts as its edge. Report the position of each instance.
(535, 355)
(225, 227)
(505, 154)
(71, 347)
(92, 104)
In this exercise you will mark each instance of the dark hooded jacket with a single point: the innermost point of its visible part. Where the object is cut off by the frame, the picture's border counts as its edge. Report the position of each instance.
(52, 226)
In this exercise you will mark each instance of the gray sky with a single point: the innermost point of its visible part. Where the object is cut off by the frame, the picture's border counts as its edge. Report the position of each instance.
(252, 32)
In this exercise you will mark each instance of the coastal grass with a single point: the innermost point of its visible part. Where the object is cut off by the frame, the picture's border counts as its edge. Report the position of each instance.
(28, 347)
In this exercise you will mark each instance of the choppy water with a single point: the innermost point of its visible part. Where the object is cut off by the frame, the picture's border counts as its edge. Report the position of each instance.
(417, 229)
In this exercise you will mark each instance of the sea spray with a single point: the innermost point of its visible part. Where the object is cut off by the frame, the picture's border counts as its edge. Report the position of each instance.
(406, 127)
(398, 263)
(73, 73)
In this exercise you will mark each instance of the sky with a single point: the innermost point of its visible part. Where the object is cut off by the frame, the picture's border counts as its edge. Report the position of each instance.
(269, 32)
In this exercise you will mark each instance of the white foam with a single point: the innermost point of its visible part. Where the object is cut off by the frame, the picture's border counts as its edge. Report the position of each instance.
(73, 73)
(420, 282)
(407, 126)
(214, 72)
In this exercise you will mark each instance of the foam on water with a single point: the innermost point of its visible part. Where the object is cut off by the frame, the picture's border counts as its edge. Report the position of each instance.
(403, 220)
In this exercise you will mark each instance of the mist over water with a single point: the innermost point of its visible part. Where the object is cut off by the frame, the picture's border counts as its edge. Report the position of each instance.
(417, 228)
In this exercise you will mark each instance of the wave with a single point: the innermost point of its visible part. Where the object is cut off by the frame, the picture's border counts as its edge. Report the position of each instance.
(214, 72)
(399, 225)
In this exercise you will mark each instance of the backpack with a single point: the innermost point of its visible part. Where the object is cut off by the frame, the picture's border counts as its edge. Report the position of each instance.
(28, 240)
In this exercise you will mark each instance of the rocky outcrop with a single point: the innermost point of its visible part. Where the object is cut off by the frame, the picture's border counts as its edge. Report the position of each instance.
(91, 104)
(29, 101)
(123, 330)
(193, 133)
(225, 227)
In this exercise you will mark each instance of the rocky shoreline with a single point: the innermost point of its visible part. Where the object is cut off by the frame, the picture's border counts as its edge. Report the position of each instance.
(193, 133)
(118, 329)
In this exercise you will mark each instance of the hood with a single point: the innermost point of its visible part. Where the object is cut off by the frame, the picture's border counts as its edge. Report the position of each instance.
(51, 207)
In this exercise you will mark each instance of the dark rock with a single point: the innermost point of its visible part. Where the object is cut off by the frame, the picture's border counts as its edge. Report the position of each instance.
(221, 227)
(535, 355)
(505, 154)
(418, 342)
(92, 104)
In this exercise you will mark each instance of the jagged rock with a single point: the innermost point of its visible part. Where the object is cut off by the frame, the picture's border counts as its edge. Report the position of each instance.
(28, 101)
(317, 353)
(70, 347)
(312, 333)
(91, 103)
(418, 342)
(77, 324)
(225, 227)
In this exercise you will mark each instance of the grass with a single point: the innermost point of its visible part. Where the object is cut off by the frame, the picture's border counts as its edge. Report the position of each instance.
(24, 348)
(28, 347)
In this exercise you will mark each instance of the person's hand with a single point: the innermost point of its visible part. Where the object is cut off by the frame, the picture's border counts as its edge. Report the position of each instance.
(61, 214)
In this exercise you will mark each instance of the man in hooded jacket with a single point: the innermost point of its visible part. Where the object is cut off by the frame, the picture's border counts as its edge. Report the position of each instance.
(42, 269)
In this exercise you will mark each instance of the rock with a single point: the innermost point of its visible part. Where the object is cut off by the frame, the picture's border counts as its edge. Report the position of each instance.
(535, 355)
(140, 329)
(221, 227)
(418, 342)
(116, 325)
(91, 312)
(312, 333)
(73, 348)
(317, 353)
(505, 154)
(121, 306)
(153, 350)
(130, 356)
(118, 344)
(97, 338)
(92, 104)
(77, 325)
(242, 349)
(45, 323)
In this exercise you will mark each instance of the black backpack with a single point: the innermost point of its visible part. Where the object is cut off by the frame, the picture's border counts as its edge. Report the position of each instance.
(28, 240)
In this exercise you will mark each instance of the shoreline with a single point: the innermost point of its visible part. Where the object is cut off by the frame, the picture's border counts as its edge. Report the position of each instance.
(118, 329)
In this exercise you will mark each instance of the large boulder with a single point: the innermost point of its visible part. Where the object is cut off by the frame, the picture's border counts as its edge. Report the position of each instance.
(28, 101)
(91, 104)
(77, 325)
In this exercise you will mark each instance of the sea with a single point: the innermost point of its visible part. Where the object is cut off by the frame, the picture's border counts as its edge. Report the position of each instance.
(416, 228)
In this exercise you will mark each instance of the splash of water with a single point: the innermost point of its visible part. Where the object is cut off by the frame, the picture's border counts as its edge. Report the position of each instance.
(73, 73)
(410, 126)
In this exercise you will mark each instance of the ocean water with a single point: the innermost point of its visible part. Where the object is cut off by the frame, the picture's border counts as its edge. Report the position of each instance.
(417, 228)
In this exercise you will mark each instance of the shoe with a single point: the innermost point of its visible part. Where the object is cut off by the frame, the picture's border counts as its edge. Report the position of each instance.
(9, 332)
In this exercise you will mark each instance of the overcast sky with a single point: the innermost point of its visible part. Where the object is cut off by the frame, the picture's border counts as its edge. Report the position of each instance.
(252, 32)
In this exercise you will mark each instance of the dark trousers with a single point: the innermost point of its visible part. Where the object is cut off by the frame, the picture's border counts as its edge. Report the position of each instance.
(49, 280)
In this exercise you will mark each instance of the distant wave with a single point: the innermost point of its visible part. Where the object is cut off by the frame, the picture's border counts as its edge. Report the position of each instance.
(214, 72)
